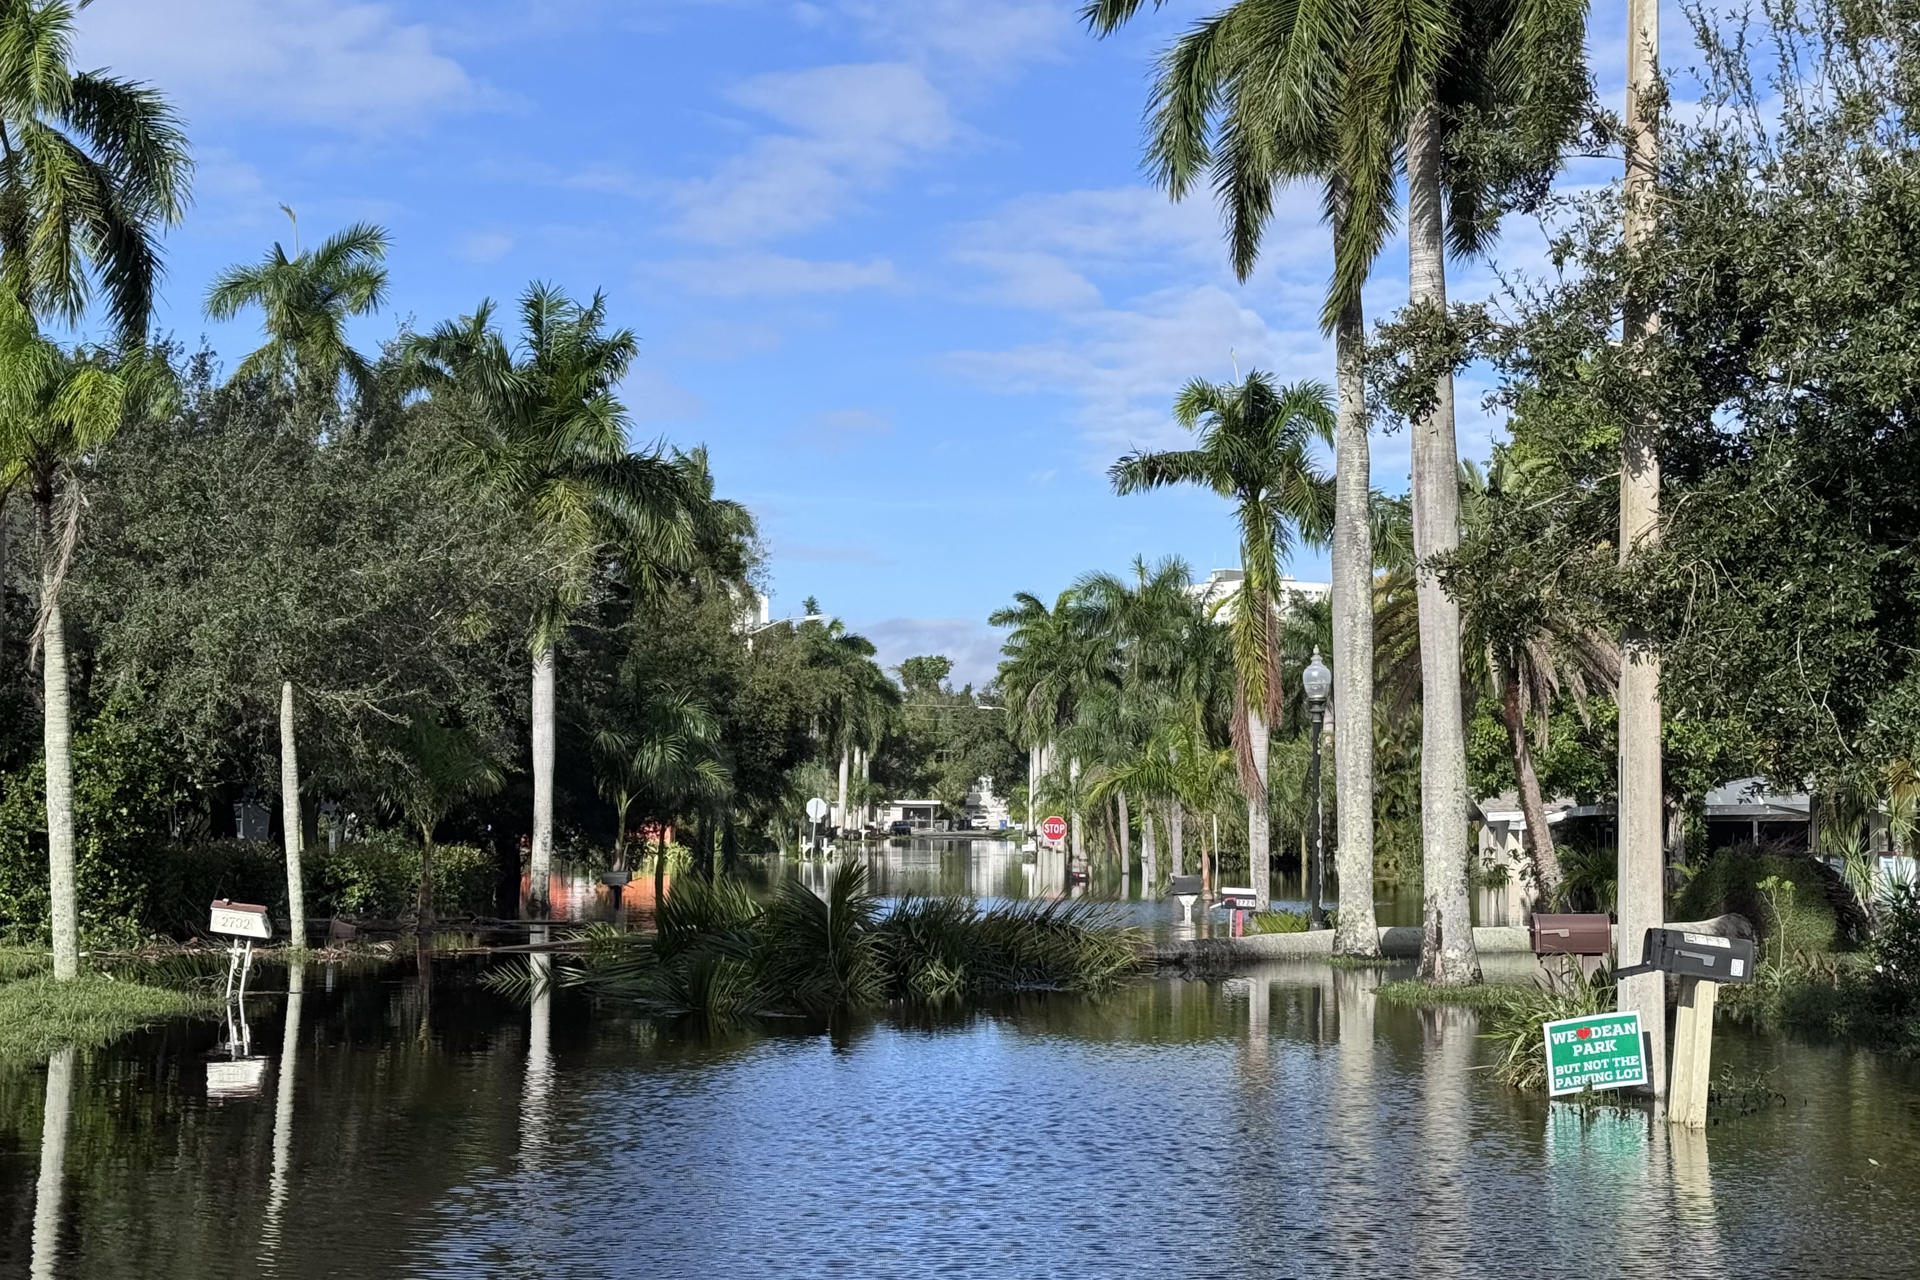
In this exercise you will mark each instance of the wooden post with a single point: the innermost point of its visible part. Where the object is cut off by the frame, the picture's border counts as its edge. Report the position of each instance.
(1692, 1053)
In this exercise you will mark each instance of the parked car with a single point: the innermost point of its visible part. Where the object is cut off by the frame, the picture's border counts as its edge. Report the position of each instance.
(901, 828)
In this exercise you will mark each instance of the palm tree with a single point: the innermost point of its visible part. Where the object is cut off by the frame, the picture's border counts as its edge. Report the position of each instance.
(1255, 449)
(541, 430)
(91, 166)
(440, 766)
(659, 749)
(1050, 663)
(57, 408)
(306, 300)
(1261, 95)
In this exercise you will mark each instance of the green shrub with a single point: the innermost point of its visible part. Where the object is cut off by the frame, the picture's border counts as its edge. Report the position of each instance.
(1815, 915)
(379, 879)
(1895, 951)
(1276, 922)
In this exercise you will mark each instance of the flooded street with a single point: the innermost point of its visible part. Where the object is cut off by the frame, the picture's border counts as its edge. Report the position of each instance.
(1280, 1122)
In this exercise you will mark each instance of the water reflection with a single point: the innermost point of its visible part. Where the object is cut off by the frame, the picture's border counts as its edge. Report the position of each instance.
(1280, 1123)
(283, 1111)
(53, 1163)
(536, 1091)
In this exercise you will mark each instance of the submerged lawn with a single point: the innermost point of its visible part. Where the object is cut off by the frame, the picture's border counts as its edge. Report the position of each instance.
(1481, 995)
(39, 1015)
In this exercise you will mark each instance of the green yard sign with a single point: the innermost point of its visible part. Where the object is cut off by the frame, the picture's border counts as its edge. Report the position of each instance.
(1601, 1052)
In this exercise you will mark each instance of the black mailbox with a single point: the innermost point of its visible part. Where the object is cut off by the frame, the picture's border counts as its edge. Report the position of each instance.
(1695, 955)
(1571, 935)
(1183, 886)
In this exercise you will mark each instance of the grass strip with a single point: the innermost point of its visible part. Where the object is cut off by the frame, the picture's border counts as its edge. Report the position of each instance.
(39, 1015)
(1480, 995)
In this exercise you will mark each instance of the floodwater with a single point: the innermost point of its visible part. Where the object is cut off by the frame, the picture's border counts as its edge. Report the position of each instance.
(1281, 1123)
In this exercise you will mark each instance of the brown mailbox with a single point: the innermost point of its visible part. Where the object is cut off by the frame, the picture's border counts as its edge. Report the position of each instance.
(1571, 935)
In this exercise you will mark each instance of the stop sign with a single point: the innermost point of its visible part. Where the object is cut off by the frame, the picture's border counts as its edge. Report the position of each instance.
(1054, 828)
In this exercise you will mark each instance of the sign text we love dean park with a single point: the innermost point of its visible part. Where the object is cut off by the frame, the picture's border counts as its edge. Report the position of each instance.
(1602, 1051)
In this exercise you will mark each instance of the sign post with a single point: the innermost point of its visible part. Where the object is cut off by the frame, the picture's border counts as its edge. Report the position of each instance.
(239, 920)
(1601, 1051)
(816, 810)
(241, 1075)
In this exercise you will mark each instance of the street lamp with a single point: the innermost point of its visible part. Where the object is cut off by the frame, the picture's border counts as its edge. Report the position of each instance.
(1317, 682)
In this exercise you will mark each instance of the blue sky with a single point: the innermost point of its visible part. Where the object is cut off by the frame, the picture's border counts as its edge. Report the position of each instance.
(892, 261)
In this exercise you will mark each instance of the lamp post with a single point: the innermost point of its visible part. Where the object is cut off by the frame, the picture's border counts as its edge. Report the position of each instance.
(1317, 682)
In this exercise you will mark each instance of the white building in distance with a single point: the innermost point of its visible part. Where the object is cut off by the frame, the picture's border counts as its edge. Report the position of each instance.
(1221, 590)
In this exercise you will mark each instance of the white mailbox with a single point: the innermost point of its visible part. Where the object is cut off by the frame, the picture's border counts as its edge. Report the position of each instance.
(239, 920)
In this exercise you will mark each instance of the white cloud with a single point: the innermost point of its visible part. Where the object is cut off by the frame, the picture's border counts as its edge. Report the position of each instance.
(973, 646)
(1034, 281)
(339, 63)
(767, 275)
(482, 246)
(987, 37)
(1123, 366)
(845, 130)
(841, 429)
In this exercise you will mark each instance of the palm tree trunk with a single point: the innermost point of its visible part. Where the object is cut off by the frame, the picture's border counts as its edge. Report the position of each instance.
(620, 808)
(1126, 832)
(3, 576)
(1176, 838)
(1533, 806)
(540, 869)
(1149, 854)
(58, 738)
(1354, 934)
(1259, 832)
(1073, 776)
(660, 867)
(840, 806)
(423, 910)
(1447, 953)
(290, 821)
(1642, 869)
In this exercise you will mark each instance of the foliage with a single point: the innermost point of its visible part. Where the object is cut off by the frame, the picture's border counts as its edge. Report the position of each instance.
(96, 166)
(718, 956)
(1513, 1017)
(1276, 922)
(823, 953)
(945, 948)
(1894, 952)
(1804, 908)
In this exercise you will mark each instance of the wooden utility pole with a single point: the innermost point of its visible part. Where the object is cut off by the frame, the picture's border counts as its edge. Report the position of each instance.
(1642, 857)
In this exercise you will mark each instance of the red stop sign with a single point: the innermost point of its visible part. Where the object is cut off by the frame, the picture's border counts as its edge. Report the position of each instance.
(1054, 828)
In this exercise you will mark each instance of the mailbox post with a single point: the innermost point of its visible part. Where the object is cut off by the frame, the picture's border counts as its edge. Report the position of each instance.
(1702, 961)
(1186, 891)
(243, 922)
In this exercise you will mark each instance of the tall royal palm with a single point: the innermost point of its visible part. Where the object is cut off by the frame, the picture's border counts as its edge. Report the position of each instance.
(306, 301)
(58, 407)
(1259, 96)
(541, 430)
(1254, 448)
